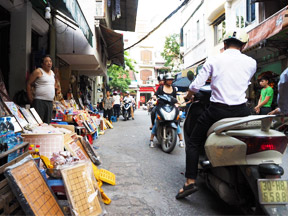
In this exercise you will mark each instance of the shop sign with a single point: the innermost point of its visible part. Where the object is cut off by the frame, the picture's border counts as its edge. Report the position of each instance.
(77, 14)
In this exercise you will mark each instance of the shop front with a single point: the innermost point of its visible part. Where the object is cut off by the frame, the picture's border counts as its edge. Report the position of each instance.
(268, 44)
(145, 94)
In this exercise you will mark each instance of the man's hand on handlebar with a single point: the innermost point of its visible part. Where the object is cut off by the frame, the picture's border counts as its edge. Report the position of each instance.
(189, 96)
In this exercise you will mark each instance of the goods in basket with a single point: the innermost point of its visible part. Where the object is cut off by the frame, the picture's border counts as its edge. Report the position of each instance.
(61, 158)
(46, 162)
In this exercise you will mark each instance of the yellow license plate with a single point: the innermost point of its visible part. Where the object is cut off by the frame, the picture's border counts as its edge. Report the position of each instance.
(273, 191)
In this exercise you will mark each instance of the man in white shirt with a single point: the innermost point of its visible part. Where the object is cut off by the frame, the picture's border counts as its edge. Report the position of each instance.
(117, 103)
(230, 74)
(130, 99)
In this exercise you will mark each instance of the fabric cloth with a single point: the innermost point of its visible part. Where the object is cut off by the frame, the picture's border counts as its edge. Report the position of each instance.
(230, 74)
(108, 103)
(45, 86)
(214, 113)
(44, 109)
(267, 92)
(283, 92)
(116, 99)
(108, 113)
(116, 109)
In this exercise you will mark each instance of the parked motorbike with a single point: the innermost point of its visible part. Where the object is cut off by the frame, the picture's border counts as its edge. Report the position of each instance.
(166, 122)
(241, 160)
(126, 109)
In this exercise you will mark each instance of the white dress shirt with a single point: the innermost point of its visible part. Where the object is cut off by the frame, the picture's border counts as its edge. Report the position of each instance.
(283, 92)
(230, 74)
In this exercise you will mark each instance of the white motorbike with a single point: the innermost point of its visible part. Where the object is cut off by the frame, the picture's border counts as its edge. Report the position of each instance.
(126, 109)
(241, 160)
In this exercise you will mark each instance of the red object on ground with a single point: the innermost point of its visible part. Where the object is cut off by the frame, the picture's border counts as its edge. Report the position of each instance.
(90, 139)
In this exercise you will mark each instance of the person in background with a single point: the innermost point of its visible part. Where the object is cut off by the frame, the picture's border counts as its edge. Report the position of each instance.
(131, 99)
(266, 97)
(43, 79)
(108, 103)
(282, 98)
(117, 104)
(153, 112)
(167, 89)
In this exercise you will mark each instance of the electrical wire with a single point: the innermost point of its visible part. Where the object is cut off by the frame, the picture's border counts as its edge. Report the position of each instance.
(169, 16)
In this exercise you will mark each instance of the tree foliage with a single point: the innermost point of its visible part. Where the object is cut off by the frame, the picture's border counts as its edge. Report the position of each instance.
(119, 76)
(171, 52)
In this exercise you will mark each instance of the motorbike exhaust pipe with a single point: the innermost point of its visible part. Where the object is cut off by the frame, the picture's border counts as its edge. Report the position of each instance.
(225, 192)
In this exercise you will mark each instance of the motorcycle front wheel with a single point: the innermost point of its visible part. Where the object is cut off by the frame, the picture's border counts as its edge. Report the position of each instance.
(125, 116)
(167, 143)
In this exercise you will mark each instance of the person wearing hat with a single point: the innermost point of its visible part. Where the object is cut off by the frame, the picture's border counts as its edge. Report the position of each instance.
(230, 73)
(117, 103)
(170, 90)
(153, 112)
(131, 99)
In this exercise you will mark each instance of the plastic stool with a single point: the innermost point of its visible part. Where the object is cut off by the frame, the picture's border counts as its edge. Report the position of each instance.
(113, 118)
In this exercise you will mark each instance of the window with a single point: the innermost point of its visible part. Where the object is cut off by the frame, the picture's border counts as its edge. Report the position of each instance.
(219, 29)
(198, 29)
(250, 11)
(146, 56)
(245, 13)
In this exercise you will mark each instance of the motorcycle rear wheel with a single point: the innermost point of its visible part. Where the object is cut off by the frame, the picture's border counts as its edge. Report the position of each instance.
(169, 143)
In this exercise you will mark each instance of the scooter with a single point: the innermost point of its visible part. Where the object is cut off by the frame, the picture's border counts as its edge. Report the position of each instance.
(166, 123)
(241, 160)
(126, 109)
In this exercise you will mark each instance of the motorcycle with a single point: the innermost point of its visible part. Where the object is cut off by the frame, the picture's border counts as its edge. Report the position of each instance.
(126, 109)
(166, 123)
(241, 159)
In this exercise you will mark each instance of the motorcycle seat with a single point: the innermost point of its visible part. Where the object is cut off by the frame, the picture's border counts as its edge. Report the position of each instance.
(252, 124)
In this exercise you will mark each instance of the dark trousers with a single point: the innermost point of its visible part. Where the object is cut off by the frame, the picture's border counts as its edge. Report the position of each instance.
(214, 113)
(116, 109)
(153, 115)
(44, 109)
(265, 110)
(108, 113)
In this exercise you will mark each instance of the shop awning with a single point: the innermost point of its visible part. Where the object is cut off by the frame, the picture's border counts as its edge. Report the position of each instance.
(114, 45)
(192, 68)
(71, 9)
(147, 89)
(267, 29)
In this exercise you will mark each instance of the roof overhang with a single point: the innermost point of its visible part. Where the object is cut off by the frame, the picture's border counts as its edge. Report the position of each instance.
(268, 29)
(114, 45)
(84, 64)
(127, 21)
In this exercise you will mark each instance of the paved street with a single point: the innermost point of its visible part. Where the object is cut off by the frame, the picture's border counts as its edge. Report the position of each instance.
(147, 180)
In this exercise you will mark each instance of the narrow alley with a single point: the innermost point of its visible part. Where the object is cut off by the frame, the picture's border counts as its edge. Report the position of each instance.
(148, 179)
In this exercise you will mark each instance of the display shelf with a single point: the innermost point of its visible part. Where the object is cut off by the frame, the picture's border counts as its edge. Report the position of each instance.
(20, 146)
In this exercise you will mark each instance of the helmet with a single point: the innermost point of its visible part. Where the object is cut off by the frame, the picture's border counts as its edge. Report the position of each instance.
(168, 76)
(237, 34)
(127, 92)
(160, 77)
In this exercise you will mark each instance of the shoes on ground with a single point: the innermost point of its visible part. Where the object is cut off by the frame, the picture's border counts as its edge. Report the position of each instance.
(132, 118)
(151, 145)
(181, 144)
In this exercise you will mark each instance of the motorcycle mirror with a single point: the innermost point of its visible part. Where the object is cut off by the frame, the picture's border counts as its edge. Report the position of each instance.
(190, 75)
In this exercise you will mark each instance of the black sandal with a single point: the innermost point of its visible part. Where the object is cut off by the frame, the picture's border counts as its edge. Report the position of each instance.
(187, 190)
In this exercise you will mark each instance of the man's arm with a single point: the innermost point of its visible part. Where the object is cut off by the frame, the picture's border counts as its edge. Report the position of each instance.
(32, 78)
(200, 80)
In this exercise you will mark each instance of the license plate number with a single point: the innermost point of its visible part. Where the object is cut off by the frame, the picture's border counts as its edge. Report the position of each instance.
(273, 191)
